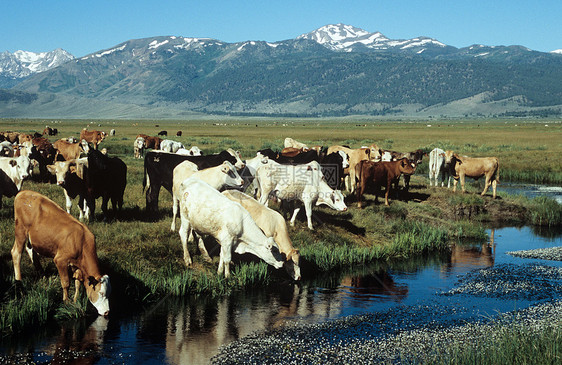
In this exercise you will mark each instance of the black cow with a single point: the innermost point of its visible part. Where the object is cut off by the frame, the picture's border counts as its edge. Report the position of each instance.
(44, 154)
(163, 133)
(332, 169)
(159, 169)
(105, 177)
(301, 158)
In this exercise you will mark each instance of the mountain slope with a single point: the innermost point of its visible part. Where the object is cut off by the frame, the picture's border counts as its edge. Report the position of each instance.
(335, 70)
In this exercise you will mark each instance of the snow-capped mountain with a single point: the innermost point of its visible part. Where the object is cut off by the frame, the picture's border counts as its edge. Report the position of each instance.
(21, 64)
(558, 51)
(347, 38)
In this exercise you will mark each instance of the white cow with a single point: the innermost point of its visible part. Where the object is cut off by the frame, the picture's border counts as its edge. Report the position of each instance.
(239, 163)
(224, 175)
(6, 149)
(168, 145)
(138, 147)
(438, 169)
(273, 225)
(249, 172)
(193, 151)
(298, 182)
(208, 212)
(289, 142)
(17, 168)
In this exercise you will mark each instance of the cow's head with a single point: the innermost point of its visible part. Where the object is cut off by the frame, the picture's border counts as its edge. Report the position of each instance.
(98, 292)
(345, 159)
(449, 155)
(333, 199)
(231, 177)
(239, 163)
(292, 264)
(407, 167)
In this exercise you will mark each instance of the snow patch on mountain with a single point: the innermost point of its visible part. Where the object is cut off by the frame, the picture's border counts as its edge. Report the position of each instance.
(22, 64)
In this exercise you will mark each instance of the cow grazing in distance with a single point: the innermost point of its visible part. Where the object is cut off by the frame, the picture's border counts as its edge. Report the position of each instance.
(474, 167)
(112, 132)
(106, 177)
(70, 176)
(50, 231)
(93, 137)
(298, 182)
(70, 151)
(152, 142)
(273, 225)
(231, 225)
(178, 133)
(223, 175)
(376, 174)
(159, 167)
(168, 145)
(163, 133)
(438, 169)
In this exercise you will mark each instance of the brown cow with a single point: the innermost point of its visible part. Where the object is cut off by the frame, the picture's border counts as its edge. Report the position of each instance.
(93, 137)
(54, 233)
(379, 173)
(354, 155)
(152, 142)
(68, 150)
(292, 151)
(474, 167)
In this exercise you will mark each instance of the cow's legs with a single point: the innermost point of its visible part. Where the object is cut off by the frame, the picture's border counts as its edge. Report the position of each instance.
(17, 249)
(175, 204)
(184, 230)
(203, 249)
(462, 179)
(62, 267)
(308, 211)
(68, 201)
(34, 257)
(486, 186)
(225, 256)
(494, 186)
(295, 212)
(387, 192)
(104, 201)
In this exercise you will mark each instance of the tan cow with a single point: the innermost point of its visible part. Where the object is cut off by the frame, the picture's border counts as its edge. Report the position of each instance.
(289, 142)
(355, 155)
(474, 167)
(70, 151)
(93, 137)
(54, 233)
(273, 225)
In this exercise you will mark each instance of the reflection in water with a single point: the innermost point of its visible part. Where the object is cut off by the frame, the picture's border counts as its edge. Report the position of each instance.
(380, 283)
(472, 256)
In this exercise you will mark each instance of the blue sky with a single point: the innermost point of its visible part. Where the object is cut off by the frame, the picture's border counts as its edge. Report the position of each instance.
(82, 27)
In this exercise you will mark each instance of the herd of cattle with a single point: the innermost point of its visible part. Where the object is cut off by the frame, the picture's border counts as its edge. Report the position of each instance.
(238, 218)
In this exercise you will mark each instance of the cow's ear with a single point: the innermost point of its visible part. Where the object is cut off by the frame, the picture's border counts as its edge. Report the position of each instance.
(51, 169)
(92, 281)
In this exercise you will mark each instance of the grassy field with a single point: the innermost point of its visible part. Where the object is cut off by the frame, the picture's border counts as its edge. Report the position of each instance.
(144, 259)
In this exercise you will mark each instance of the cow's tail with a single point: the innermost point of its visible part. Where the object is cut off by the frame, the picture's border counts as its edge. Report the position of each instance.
(498, 172)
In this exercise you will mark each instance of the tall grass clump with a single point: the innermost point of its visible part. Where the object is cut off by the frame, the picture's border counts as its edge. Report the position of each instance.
(418, 237)
(545, 211)
(531, 176)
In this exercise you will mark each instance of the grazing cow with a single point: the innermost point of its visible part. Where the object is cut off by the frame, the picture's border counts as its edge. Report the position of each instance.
(70, 176)
(223, 175)
(354, 156)
(193, 151)
(168, 145)
(292, 151)
(178, 133)
(474, 167)
(51, 232)
(231, 225)
(44, 153)
(289, 142)
(112, 132)
(93, 137)
(163, 133)
(159, 167)
(48, 131)
(376, 174)
(138, 147)
(273, 225)
(105, 177)
(298, 182)
(70, 151)
(437, 168)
